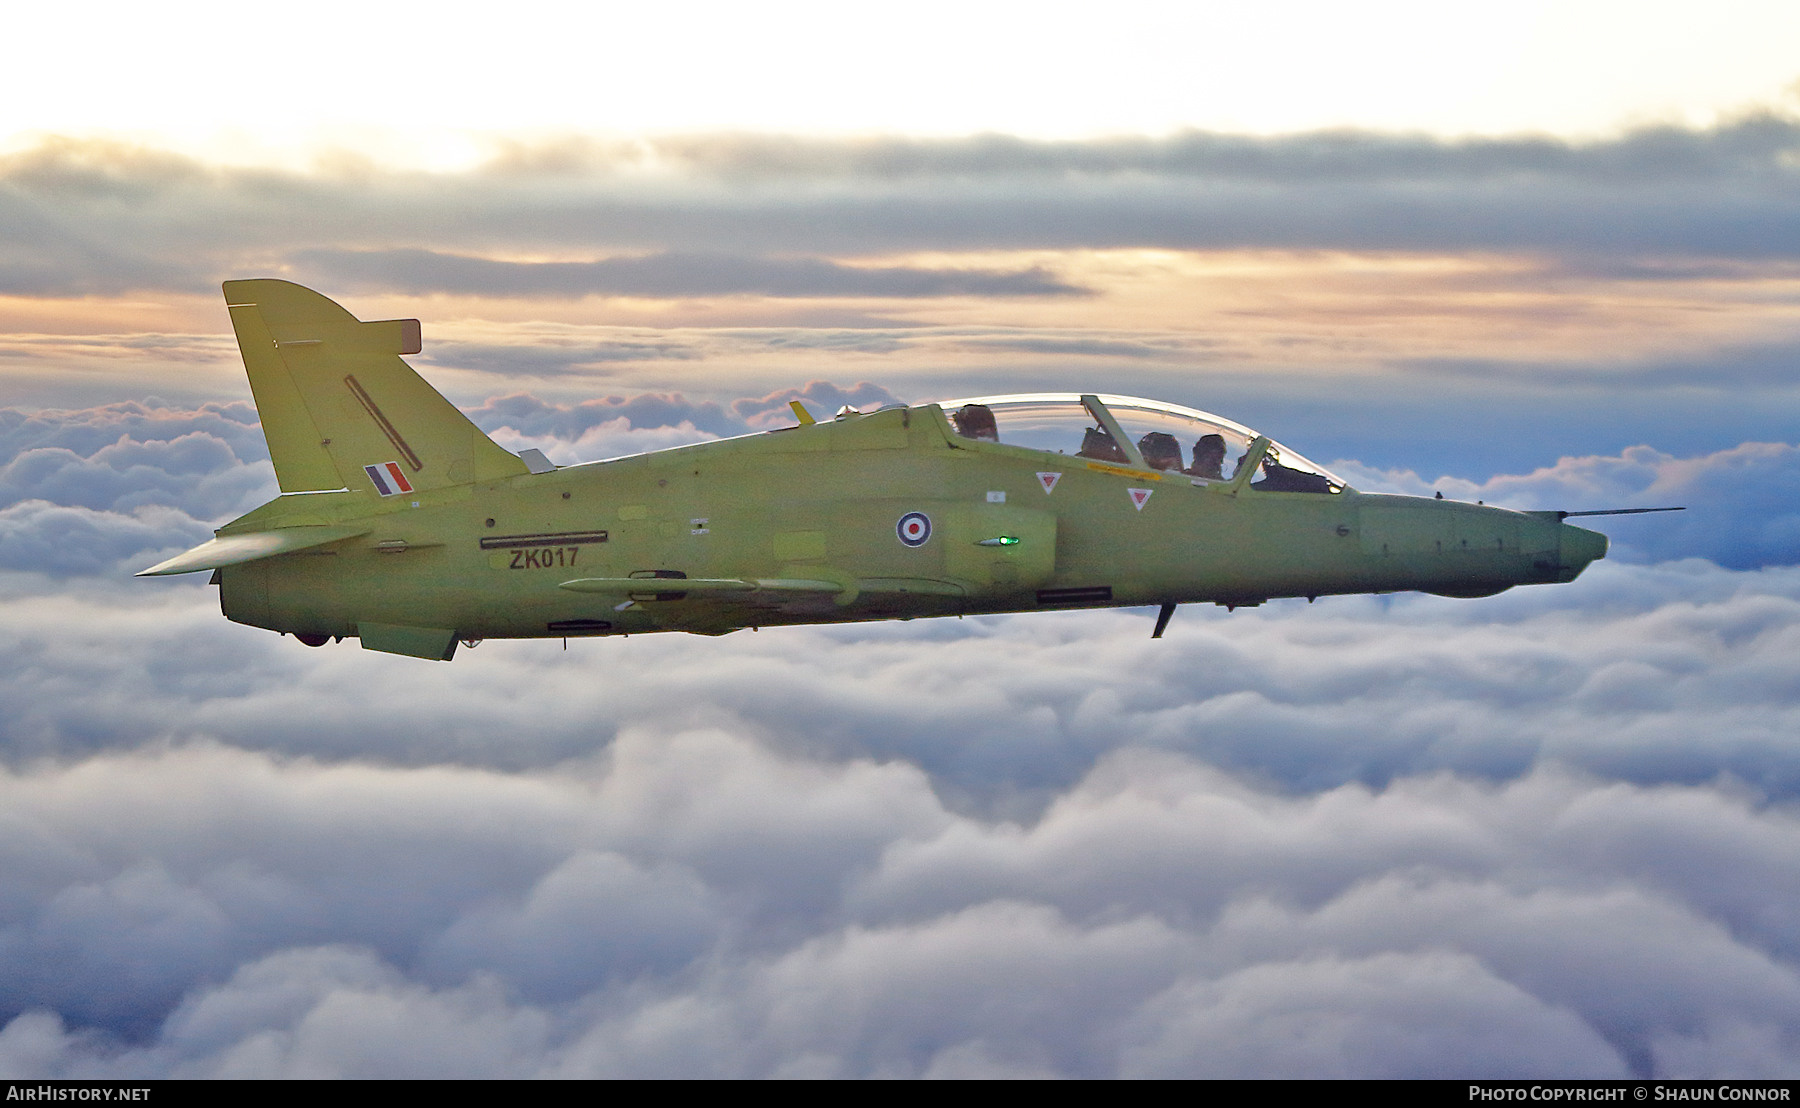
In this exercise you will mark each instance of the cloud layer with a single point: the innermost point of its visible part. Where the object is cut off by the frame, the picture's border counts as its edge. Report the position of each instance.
(664, 275)
(738, 214)
(1546, 832)
(712, 900)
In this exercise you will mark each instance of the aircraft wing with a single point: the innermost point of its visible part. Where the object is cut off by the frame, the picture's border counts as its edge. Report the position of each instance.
(231, 550)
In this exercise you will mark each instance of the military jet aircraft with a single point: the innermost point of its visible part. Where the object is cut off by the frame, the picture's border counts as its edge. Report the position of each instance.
(403, 525)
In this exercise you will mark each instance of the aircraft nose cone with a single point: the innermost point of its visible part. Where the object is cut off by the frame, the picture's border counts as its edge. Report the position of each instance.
(1579, 547)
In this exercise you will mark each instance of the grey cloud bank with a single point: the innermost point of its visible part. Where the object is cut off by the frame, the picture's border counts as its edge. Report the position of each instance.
(83, 431)
(88, 491)
(693, 903)
(745, 214)
(665, 275)
(1658, 152)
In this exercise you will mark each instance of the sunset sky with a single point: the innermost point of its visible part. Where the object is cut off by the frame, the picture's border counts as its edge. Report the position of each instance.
(1546, 255)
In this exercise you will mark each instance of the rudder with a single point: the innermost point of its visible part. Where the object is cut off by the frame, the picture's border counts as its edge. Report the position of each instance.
(339, 406)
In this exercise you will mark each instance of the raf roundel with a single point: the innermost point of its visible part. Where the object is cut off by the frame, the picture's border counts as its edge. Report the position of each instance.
(914, 528)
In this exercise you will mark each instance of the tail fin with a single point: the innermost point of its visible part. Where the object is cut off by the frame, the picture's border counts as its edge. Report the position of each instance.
(339, 407)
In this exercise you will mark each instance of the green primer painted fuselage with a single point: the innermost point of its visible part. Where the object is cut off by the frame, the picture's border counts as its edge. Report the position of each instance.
(824, 503)
(892, 514)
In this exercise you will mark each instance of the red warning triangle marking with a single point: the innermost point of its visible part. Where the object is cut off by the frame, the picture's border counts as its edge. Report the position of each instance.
(1049, 480)
(1138, 496)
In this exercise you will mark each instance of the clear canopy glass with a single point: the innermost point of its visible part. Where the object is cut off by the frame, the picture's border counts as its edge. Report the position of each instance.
(1168, 437)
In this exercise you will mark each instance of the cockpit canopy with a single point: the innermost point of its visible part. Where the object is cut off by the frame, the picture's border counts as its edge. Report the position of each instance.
(1127, 430)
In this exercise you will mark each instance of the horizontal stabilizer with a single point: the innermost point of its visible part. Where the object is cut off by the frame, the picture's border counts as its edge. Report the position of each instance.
(231, 550)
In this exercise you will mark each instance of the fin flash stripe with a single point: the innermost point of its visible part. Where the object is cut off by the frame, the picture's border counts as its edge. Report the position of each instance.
(388, 479)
